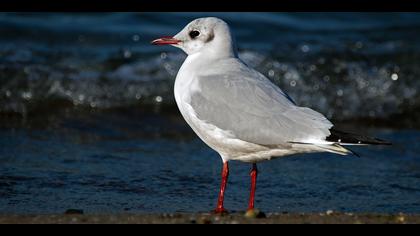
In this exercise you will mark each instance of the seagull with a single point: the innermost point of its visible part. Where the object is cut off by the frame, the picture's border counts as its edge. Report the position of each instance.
(240, 113)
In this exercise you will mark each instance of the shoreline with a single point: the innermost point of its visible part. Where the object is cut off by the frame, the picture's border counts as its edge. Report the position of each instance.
(207, 218)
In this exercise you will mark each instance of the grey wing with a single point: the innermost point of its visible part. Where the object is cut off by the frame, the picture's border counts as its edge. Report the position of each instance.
(255, 110)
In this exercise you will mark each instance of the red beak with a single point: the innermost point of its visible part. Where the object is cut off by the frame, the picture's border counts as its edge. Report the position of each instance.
(165, 41)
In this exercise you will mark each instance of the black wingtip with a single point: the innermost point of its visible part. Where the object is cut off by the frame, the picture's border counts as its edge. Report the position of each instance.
(350, 138)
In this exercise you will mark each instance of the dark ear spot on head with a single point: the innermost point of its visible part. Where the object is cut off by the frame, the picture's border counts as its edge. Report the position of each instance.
(210, 38)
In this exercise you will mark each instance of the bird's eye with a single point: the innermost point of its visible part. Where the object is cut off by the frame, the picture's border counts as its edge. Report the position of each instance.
(194, 34)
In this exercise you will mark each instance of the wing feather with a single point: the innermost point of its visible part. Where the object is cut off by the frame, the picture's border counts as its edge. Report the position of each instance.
(249, 105)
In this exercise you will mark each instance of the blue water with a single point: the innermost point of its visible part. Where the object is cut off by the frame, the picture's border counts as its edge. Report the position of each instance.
(88, 120)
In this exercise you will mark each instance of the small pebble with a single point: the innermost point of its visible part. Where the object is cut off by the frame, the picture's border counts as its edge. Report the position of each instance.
(204, 221)
(193, 221)
(255, 213)
(400, 219)
(329, 212)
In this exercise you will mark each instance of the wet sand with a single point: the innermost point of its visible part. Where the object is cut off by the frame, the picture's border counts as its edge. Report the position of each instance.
(206, 218)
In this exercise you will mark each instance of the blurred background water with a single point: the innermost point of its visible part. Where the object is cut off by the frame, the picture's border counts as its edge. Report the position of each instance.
(88, 118)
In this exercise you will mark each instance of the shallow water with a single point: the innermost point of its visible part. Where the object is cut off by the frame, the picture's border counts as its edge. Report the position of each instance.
(142, 163)
(88, 120)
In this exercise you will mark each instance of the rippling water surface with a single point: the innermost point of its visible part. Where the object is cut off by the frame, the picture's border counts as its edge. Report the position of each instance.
(88, 118)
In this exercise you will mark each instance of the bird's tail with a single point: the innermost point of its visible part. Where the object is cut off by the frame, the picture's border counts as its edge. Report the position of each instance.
(329, 147)
(335, 142)
(337, 149)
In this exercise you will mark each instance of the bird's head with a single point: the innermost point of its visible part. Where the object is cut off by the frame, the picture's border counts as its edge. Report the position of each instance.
(210, 35)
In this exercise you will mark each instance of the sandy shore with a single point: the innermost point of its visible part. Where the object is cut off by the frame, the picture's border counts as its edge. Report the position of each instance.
(206, 218)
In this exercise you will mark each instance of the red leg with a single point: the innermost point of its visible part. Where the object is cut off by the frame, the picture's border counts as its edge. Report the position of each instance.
(253, 174)
(225, 175)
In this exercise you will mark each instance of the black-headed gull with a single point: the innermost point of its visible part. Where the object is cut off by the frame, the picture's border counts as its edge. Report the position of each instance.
(238, 112)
